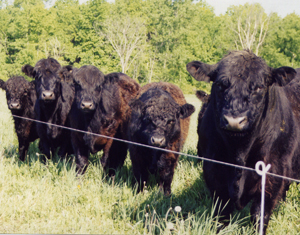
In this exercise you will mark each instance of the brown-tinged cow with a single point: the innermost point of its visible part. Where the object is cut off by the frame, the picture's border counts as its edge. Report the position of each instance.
(101, 107)
(160, 118)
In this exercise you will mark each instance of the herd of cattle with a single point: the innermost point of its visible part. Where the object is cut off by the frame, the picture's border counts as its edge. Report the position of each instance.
(252, 114)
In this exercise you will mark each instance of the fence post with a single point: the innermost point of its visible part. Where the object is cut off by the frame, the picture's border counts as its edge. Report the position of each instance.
(263, 171)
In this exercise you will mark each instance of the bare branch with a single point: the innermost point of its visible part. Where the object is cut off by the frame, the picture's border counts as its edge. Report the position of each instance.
(126, 35)
(251, 27)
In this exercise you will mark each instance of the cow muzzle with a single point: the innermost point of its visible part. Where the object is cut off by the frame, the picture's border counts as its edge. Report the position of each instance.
(48, 96)
(14, 105)
(234, 123)
(158, 141)
(87, 105)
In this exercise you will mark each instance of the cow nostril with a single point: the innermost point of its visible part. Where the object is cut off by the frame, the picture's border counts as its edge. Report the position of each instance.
(243, 121)
(157, 141)
(48, 95)
(87, 105)
(14, 106)
(152, 140)
(234, 123)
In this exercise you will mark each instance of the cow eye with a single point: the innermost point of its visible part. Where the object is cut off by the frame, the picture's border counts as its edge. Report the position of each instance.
(147, 120)
(170, 122)
(222, 85)
(77, 86)
(39, 77)
(259, 88)
(98, 89)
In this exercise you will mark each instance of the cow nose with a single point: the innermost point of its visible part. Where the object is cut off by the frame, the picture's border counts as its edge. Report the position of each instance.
(235, 124)
(158, 141)
(48, 95)
(14, 105)
(87, 105)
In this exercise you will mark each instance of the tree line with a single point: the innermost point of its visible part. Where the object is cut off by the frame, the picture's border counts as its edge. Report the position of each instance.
(150, 40)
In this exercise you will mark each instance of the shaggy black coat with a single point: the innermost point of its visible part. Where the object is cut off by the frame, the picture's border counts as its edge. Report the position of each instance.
(55, 95)
(253, 115)
(101, 107)
(160, 118)
(21, 99)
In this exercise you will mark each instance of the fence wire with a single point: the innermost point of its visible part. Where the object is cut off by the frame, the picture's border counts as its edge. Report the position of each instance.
(156, 148)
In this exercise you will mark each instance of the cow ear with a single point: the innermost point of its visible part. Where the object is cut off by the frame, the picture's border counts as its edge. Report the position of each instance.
(2, 85)
(201, 71)
(283, 75)
(202, 95)
(32, 84)
(28, 70)
(186, 110)
(66, 74)
(136, 105)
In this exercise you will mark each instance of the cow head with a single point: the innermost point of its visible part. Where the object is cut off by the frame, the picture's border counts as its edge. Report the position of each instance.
(17, 92)
(88, 80)
(159, 117)
(48, 85)
(241, 81)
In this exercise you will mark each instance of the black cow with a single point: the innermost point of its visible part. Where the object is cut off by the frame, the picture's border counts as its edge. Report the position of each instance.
(21, 98)
(160, 118)
(101, 107)
(253, 115)
(55, 96)
(205, 98)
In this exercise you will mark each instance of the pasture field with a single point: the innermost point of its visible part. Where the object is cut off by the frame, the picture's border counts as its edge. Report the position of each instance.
(49, 198)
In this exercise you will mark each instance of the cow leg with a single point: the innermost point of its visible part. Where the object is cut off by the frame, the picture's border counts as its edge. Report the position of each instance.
(117, 156)
(255, 211)
(277, 193)
(217, 185)
(139, 156)
(166, 166)
(45, 149)
(141, 174)
(105, 156)
(81, 152)
(23, 147)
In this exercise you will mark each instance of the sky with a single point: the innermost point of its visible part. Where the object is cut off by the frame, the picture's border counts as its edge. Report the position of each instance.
(282, 7)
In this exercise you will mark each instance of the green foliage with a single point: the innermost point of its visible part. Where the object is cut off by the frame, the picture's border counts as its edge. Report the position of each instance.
(177, 32)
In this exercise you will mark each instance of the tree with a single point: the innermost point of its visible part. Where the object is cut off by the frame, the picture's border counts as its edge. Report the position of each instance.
(250, 23)
(127, 35)
(282, 46)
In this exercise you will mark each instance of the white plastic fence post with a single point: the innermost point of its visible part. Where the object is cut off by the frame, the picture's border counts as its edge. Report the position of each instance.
(263, 171)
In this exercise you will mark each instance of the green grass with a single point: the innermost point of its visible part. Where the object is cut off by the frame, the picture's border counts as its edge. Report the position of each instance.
(38, 198)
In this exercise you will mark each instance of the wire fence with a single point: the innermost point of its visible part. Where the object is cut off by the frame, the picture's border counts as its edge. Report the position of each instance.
(157, 148)
(260, 167)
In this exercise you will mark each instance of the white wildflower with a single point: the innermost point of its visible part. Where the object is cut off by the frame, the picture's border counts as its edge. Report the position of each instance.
(177, 209)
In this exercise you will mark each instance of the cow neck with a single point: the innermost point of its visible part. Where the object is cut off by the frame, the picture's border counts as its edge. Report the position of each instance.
(27, 111)
(19, 122)
(51, 111)
(240, 146)
(90, 120)
(279, 124)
